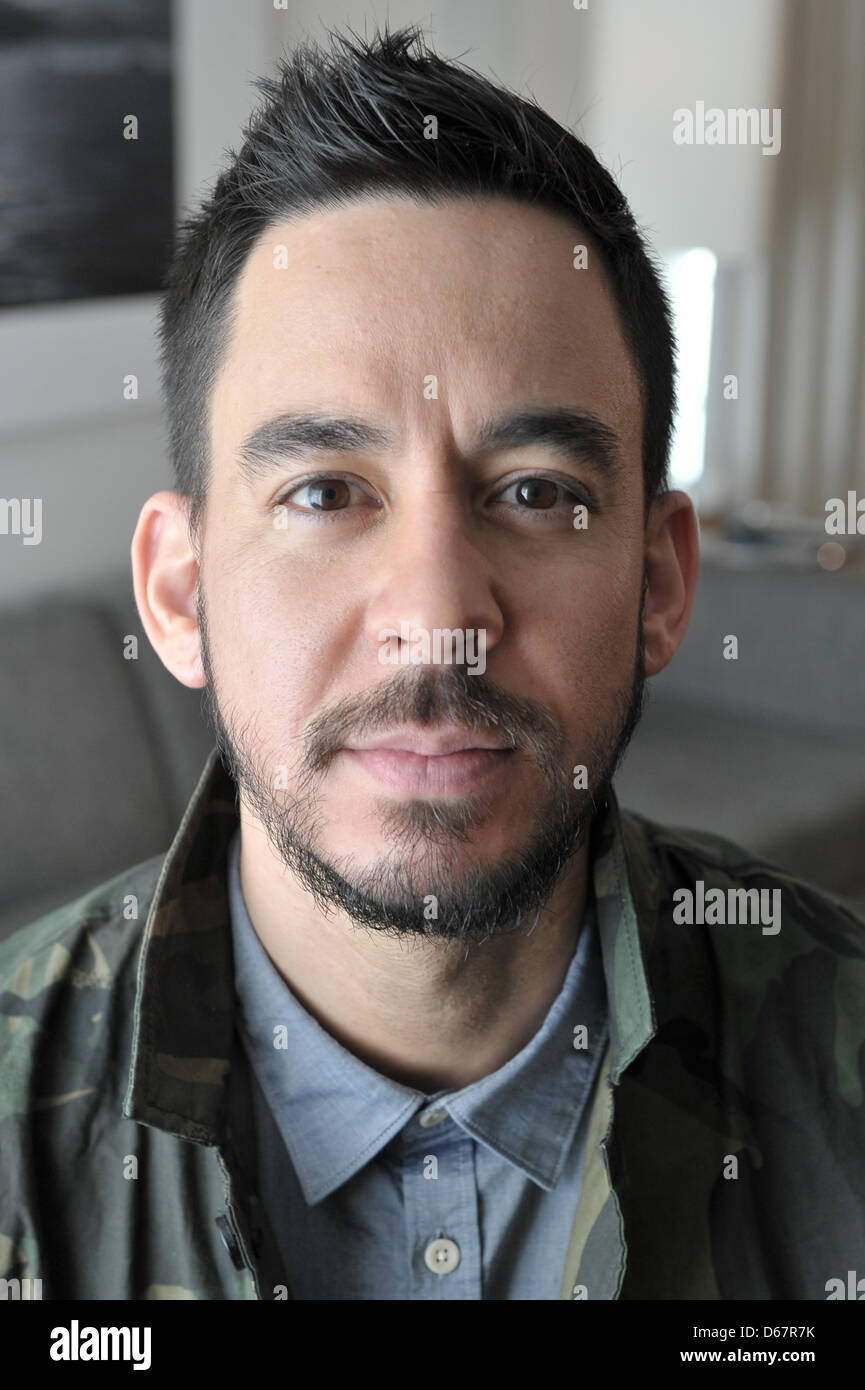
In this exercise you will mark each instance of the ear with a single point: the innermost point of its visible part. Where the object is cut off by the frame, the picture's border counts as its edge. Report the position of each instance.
(165, 574)
(672, 566)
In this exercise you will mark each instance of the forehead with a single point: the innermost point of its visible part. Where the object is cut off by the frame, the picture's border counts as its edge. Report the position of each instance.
(355, 308)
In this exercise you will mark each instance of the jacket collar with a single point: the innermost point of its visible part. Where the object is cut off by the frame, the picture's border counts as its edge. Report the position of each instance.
(185, 1040)
(627, 893)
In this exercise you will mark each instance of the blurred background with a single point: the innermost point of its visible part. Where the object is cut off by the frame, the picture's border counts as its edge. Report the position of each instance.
(117, 117)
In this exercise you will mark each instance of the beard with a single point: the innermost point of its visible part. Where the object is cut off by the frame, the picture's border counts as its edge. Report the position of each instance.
(429, 884)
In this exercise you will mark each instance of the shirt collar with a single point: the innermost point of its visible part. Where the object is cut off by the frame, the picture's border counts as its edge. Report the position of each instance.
(184, 1041)
(335, 1113)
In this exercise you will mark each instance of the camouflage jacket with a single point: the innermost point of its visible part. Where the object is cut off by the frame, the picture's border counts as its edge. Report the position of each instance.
(726, 1155)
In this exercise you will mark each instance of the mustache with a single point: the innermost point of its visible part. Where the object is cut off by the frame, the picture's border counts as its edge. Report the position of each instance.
(431, 696)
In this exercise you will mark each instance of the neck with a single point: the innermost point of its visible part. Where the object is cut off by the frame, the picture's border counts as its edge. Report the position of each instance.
(432, 1014)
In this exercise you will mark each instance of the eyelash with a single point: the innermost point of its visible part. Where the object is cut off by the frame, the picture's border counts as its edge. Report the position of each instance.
(583, 498)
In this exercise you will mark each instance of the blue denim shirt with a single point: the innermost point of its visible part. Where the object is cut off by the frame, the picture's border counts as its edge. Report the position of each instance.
(378, 1191)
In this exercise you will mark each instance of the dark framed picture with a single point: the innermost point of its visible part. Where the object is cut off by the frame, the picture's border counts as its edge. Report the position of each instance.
(85, 148)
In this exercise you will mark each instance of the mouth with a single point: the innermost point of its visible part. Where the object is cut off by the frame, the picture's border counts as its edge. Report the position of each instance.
(451, 761)
(433, 743)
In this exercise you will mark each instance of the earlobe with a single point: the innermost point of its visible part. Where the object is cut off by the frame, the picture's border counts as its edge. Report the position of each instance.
(165, 573)
(672, 567)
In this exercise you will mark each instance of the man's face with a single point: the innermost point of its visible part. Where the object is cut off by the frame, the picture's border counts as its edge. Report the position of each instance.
(452, 340)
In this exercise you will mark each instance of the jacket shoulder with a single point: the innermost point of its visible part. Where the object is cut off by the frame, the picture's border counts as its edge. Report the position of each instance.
(82, 942)
(680, 855)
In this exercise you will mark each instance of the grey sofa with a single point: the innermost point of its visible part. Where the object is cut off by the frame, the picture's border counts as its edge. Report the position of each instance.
(98, 754)
(767, 750)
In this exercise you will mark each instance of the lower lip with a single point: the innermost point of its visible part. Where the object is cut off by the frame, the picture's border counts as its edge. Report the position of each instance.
(450, 772)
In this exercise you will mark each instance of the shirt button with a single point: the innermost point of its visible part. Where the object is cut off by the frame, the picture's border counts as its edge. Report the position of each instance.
(432, 1117)
(442, 1256)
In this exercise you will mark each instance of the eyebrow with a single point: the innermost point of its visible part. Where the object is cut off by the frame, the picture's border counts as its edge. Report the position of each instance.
(578, 435)
(296, 435)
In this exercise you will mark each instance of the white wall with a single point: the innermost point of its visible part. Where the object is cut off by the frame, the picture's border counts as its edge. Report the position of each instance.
(649, 60)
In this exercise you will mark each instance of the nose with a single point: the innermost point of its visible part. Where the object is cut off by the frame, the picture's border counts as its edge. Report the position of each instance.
(434, 578)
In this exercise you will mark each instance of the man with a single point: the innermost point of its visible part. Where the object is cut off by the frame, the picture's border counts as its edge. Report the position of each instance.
(411, 1009)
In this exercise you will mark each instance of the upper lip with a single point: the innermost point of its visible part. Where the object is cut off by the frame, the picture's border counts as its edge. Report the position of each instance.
(432, 745)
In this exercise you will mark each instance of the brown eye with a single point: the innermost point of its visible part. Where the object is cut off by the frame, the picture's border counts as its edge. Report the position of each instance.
(537, 493)
(331, 495)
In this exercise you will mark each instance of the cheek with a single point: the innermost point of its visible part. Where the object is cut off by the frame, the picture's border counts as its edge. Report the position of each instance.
(585, 649)
(279, 636)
